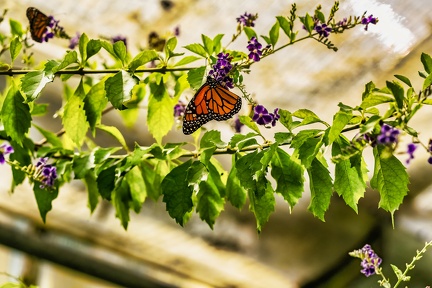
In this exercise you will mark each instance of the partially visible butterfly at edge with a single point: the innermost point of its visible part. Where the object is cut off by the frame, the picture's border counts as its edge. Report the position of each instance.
(212, 101)
(38, 23)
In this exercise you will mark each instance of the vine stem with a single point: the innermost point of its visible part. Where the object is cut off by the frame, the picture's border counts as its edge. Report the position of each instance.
(12, 72)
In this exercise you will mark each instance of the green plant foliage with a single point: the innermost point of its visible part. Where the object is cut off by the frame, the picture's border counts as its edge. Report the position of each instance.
(186, 174)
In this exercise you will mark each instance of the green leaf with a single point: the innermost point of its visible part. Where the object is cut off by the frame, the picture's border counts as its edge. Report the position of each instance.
(250, 32)
(115, 132)
(390, 179)
(39, 109)
(15, 48)
(283, 137)
(321, 189)
(92, 190)
(210, 141)
(208, 44)
(262, 206)
(160, 117)
(274, 33)
(235, 193)
(404, 80)
(308, 150)
(94, 103)
(308, 22)
(120, 51)
(120, 201)
(288, 173)
(137, 187)
(142, 58)
(195, 77)
(33, 82)
(93, 47)
(247, 121)
(241, 141)
(82, 45)
(16, 116)
(285, 25)
(70, 58)
(153, 176)
(308, 117)
(23, 154)
(181, 85)
(340, 120)
(106, 182)
(370, 124)
(426, 59)
(177, 190)
(210, 203)
(119, 88)
(286, 119)
(197, 49)
(374, 99)
(217, 43)
(397, 91)
(16, 28)
(427, 82)
(51, 137)
(170, 46)
(44, 198)
(186, 60)
(82, 165)
(348, 182)
(74, 117)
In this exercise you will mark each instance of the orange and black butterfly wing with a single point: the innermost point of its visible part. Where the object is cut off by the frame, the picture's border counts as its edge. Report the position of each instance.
(222, 103)
(212, 101)
(197, 113)
(38, 23)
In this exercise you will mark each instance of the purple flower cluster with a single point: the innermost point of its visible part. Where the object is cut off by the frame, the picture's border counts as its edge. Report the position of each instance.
(247, 19)
(369, 20)
(343, 22)
(254, 48)
(5, 149)
(179, 109)
(118, 38)
(323, 30)
(237, 124)
(73, 42)
(370, 260)
(388, 136)
(263, 117)
(53, 28)
(46, 173)
(410, 151)
(221, 69)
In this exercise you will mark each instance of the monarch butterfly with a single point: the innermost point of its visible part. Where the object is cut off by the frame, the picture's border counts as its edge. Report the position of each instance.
(38, 23)
(212, 101)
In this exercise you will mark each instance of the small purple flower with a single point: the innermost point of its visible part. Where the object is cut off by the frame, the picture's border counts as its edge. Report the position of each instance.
(254, 48)
(179, 109)
(45, 173)
(5, 149)
(221, 69)
(177, 31)
(388, 136)
(73, 42)
(368, 20)
(323, 30)
(53, 29)
(370, 260)
(247, 19)
(261, 115)
(275, 116)
(343, 22)
(119, 38)
(410, 150)
(237, 124)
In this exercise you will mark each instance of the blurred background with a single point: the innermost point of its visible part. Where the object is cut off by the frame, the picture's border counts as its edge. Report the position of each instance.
(77, 249)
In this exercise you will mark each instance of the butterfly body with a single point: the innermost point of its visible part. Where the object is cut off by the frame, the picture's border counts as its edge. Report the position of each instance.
(212, 101)
(38, 23)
